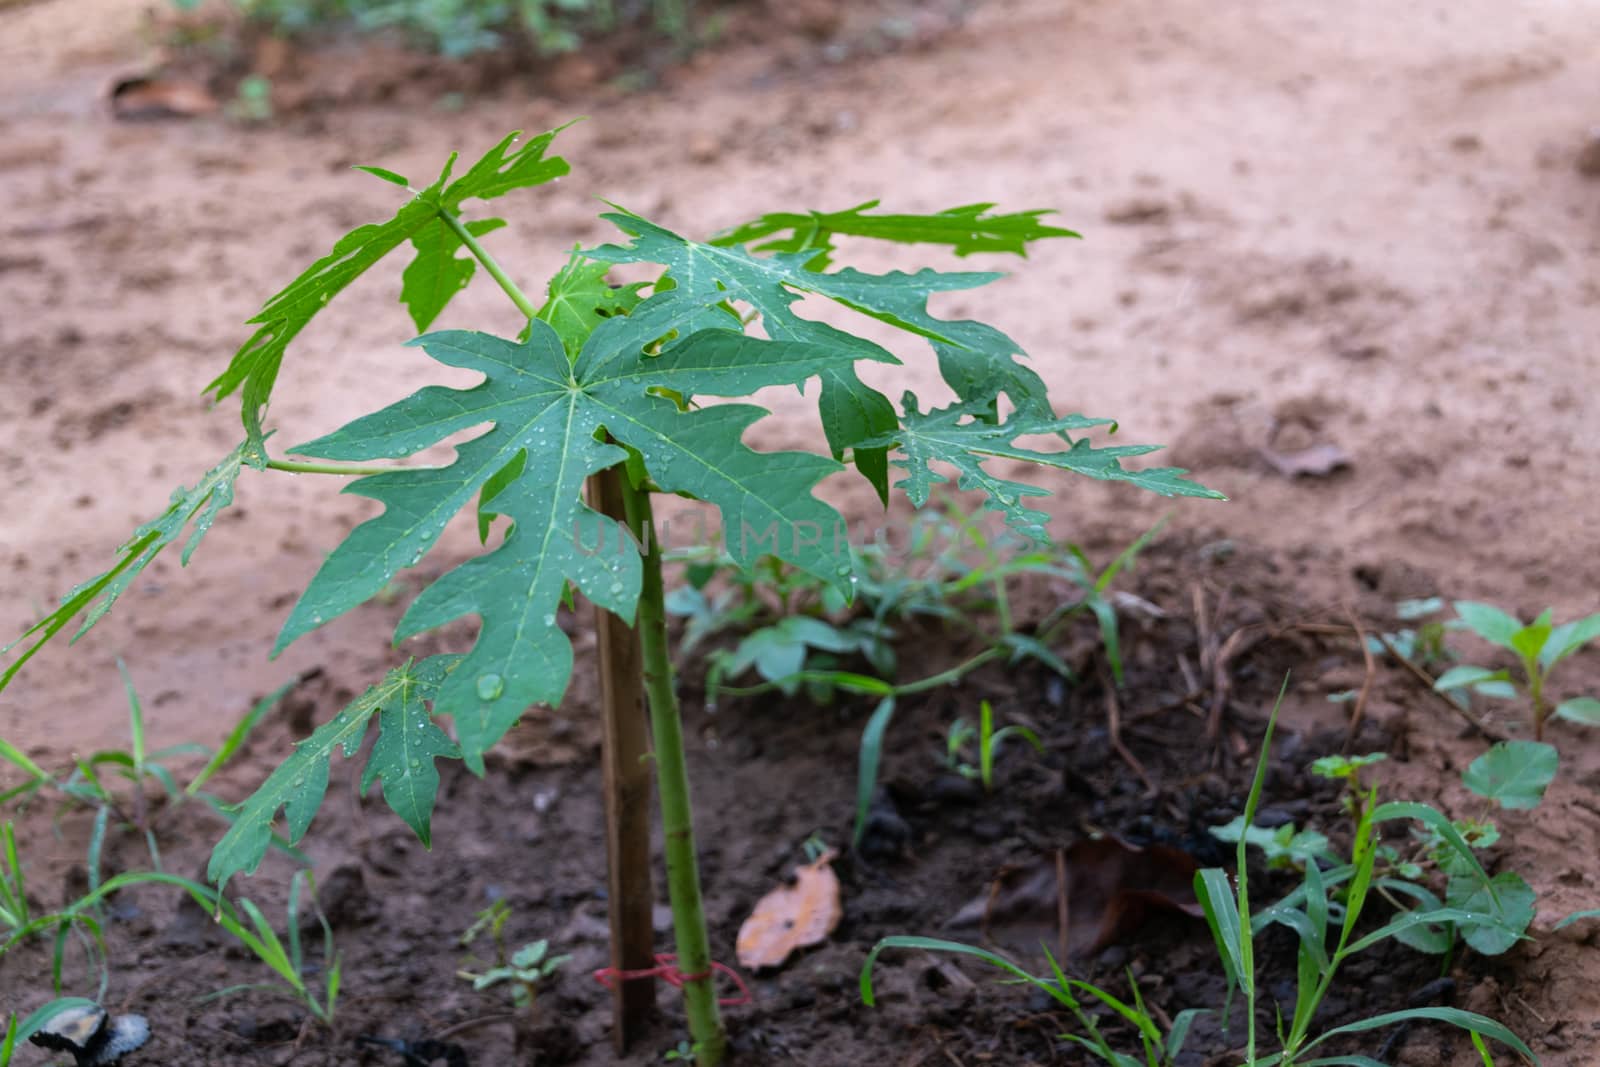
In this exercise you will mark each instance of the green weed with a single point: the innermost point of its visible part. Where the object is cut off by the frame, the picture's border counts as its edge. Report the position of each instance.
(523, 970)
(1539, 647)
(988, 741)
(1323, 915)
(287, 962)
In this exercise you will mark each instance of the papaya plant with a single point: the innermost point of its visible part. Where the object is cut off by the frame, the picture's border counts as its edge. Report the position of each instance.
(604, 381)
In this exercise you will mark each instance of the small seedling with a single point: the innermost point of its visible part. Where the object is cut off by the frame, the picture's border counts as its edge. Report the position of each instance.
(529, 966)
(13, 883)
(989, 741)
(524, 969)
(1538, 647)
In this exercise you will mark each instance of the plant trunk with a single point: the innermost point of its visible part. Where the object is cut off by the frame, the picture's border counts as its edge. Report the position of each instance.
(683, 869)
(627, 796)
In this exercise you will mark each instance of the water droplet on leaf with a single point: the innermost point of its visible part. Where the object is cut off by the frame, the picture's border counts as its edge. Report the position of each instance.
(490, 686)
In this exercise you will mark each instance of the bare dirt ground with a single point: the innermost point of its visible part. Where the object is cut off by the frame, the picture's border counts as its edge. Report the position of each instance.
(1303, 225)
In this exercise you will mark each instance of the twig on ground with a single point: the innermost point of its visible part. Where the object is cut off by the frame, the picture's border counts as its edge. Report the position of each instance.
(1427, 683)
(472, 1024)
(1360, 710)
(1114, 731)
(1240, 641)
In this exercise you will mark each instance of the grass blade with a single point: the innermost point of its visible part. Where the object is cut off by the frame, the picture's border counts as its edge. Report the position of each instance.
(935, 944)
(1466, 1020)
(135, 715)
(869, 760)
(241, 730)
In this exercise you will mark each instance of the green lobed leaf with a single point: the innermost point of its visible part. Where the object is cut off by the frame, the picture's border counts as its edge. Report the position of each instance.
(977, 360)
(254, 367)
(1513, 774)
(298, 785)
(403, 758)
(558, 412)
(198, 506)
(1282, 846)
(960, 436)
(969, 229)
(438, 272)
(579, 299)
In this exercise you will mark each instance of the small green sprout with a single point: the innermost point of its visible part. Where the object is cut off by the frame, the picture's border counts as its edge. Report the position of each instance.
(989, 742)
(685, 1052)
(1538, 647)
(528, 967)
(524, 969)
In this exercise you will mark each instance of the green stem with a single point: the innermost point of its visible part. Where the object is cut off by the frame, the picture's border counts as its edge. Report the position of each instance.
(479, 253)
(921, 685)
(666, 725)
(1002, 604)
(343, 469)
(1536, 692)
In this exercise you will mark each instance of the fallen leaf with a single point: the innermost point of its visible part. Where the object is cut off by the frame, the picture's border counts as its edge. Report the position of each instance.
(1317, 461)
(143, 97)
(1084, 898)
(792, 916)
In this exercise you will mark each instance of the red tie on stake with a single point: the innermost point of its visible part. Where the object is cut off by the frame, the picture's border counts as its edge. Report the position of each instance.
(666, 969)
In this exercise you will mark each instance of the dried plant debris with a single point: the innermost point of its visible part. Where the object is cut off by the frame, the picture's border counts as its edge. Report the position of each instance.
(92, 1035)
(1084, 898)
(792, 916)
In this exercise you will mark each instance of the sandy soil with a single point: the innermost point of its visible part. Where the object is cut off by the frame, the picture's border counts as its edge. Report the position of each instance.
(1362, 228)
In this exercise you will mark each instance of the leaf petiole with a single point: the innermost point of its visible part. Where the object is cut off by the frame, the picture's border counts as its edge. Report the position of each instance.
(342, 469)
(481, 254)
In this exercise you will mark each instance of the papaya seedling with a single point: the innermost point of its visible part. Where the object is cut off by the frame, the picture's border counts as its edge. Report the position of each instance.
(606, 385)
(523, 970)
(526, 968)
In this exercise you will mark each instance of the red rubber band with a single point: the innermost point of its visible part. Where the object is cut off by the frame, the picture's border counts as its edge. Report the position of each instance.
(666, 970)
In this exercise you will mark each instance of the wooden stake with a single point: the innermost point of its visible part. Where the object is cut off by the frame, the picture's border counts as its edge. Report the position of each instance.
(625, 746)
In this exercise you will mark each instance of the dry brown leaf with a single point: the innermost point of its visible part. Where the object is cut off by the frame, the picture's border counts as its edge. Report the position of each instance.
(792, 916)
(155, 98)
(1103, 888)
